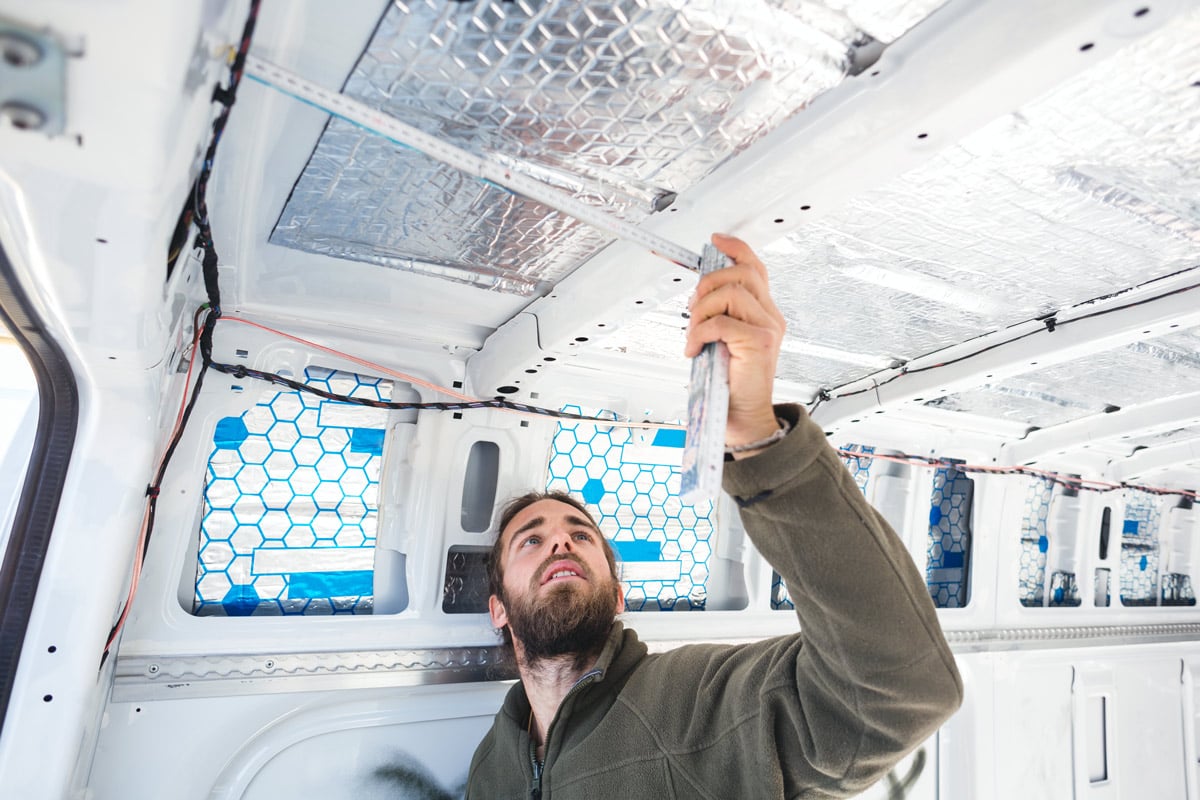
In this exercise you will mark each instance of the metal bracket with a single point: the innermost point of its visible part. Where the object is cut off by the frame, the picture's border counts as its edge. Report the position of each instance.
(33, 80)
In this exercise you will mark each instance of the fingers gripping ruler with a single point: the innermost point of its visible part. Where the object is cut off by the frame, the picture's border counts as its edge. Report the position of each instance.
(708, 395)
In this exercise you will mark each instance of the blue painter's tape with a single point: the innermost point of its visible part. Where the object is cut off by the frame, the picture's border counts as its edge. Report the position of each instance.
(330, 584)
(366, 440)
(230, 433)
(952, 560)
(1043, 544)
(1130, 527)
(669, 437)
(639, 551)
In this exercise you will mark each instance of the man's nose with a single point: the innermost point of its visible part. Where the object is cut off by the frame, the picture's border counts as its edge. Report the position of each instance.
(561, 542)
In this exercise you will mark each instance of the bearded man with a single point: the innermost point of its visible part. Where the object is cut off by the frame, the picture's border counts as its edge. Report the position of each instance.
(821, 713)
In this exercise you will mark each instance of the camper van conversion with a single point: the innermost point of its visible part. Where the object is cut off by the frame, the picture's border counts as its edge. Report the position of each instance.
(297, 296)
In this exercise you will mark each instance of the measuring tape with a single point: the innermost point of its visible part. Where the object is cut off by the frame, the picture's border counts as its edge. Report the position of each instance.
(494, 172)
(708, 394)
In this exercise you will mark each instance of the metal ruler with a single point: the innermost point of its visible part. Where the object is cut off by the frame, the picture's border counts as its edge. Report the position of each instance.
(487, 169)
(708, 394)
(708, 408)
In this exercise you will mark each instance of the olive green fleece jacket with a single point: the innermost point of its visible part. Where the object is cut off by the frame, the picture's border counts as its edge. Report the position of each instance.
(822, 713)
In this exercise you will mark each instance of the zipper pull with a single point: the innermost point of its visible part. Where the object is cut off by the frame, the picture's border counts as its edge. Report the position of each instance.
(535, 789)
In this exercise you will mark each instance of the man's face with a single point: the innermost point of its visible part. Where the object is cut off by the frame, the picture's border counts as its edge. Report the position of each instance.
(559, 593)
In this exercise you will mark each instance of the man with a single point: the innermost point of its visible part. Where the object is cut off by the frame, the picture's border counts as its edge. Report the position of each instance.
(823, 713)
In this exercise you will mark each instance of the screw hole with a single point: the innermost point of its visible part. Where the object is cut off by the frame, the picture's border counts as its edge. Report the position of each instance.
(581, 338)
(676, 280)
(922, 135)
(102, 241)
(18, 51)
(47, 698)
(778, 220)
(508, 389)
(638, 302)
(51, 649)
(875, 73)
(1141, 12)
(531, 372)
(805, 208)
(1083, 48)
(549, 358)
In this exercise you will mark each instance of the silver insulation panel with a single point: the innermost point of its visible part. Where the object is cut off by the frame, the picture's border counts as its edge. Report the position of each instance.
(620, 102)
(1091, 188)
(1137, 373)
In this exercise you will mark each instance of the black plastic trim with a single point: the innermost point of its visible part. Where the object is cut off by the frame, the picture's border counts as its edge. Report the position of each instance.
(37, 509)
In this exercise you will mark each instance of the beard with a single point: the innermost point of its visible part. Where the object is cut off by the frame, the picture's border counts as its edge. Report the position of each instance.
(566, 620)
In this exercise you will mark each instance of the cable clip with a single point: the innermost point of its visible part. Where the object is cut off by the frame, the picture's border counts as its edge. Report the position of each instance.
(152, 491)
(1050, 322)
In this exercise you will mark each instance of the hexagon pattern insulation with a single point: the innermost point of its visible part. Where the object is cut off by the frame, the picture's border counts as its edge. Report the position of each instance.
(630, 482)
(291, 503)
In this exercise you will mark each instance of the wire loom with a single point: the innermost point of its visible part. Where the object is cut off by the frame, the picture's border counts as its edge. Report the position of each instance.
(239, 371)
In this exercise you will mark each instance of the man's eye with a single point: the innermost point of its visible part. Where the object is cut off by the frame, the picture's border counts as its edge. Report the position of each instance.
(583, 536)
(532, 540)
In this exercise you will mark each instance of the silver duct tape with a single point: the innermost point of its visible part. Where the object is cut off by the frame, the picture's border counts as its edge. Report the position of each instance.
(620, 102)
(1089, 189)
(1126, 376)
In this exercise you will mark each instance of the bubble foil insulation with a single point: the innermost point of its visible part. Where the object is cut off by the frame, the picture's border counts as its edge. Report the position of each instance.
(1126, 376)
(1091, 188)
(621, 103)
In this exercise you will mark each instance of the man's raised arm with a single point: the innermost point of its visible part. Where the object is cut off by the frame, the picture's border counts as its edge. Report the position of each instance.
(874, 676)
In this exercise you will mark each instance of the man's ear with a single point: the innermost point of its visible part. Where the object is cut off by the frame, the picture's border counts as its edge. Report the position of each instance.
(620, 598)
(497, 612)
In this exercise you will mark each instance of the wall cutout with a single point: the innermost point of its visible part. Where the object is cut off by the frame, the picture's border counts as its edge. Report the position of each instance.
(291, 503)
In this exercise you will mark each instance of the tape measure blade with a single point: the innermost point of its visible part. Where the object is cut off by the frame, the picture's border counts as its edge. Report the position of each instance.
(708, 410)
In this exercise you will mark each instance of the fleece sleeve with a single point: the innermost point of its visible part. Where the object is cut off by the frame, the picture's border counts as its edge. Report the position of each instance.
(873, 675)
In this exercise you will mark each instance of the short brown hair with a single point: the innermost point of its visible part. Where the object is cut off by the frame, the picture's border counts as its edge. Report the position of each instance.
(495, 567)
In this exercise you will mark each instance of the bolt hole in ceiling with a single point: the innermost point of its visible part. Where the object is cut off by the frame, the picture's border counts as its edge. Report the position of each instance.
(1083, 192)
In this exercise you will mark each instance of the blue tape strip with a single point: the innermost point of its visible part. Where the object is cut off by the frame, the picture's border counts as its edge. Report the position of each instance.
(639, 550)
(330, 584)
(1130, 526)
(229, 433)
(952, 560)
(669, 437)
(366, 440)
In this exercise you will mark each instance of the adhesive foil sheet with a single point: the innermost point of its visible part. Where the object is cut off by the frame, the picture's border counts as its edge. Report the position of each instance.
(1137, 373)
(623, 103)
(1089, 189)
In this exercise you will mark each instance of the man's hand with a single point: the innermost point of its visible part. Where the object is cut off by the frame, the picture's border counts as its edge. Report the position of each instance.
(734, 305)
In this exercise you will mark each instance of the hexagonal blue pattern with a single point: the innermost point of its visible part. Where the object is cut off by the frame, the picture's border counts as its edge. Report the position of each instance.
(1139, 550)
(946, 573)
(1035, 543)
(291, 501)
(860, 468)
(631, 485)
